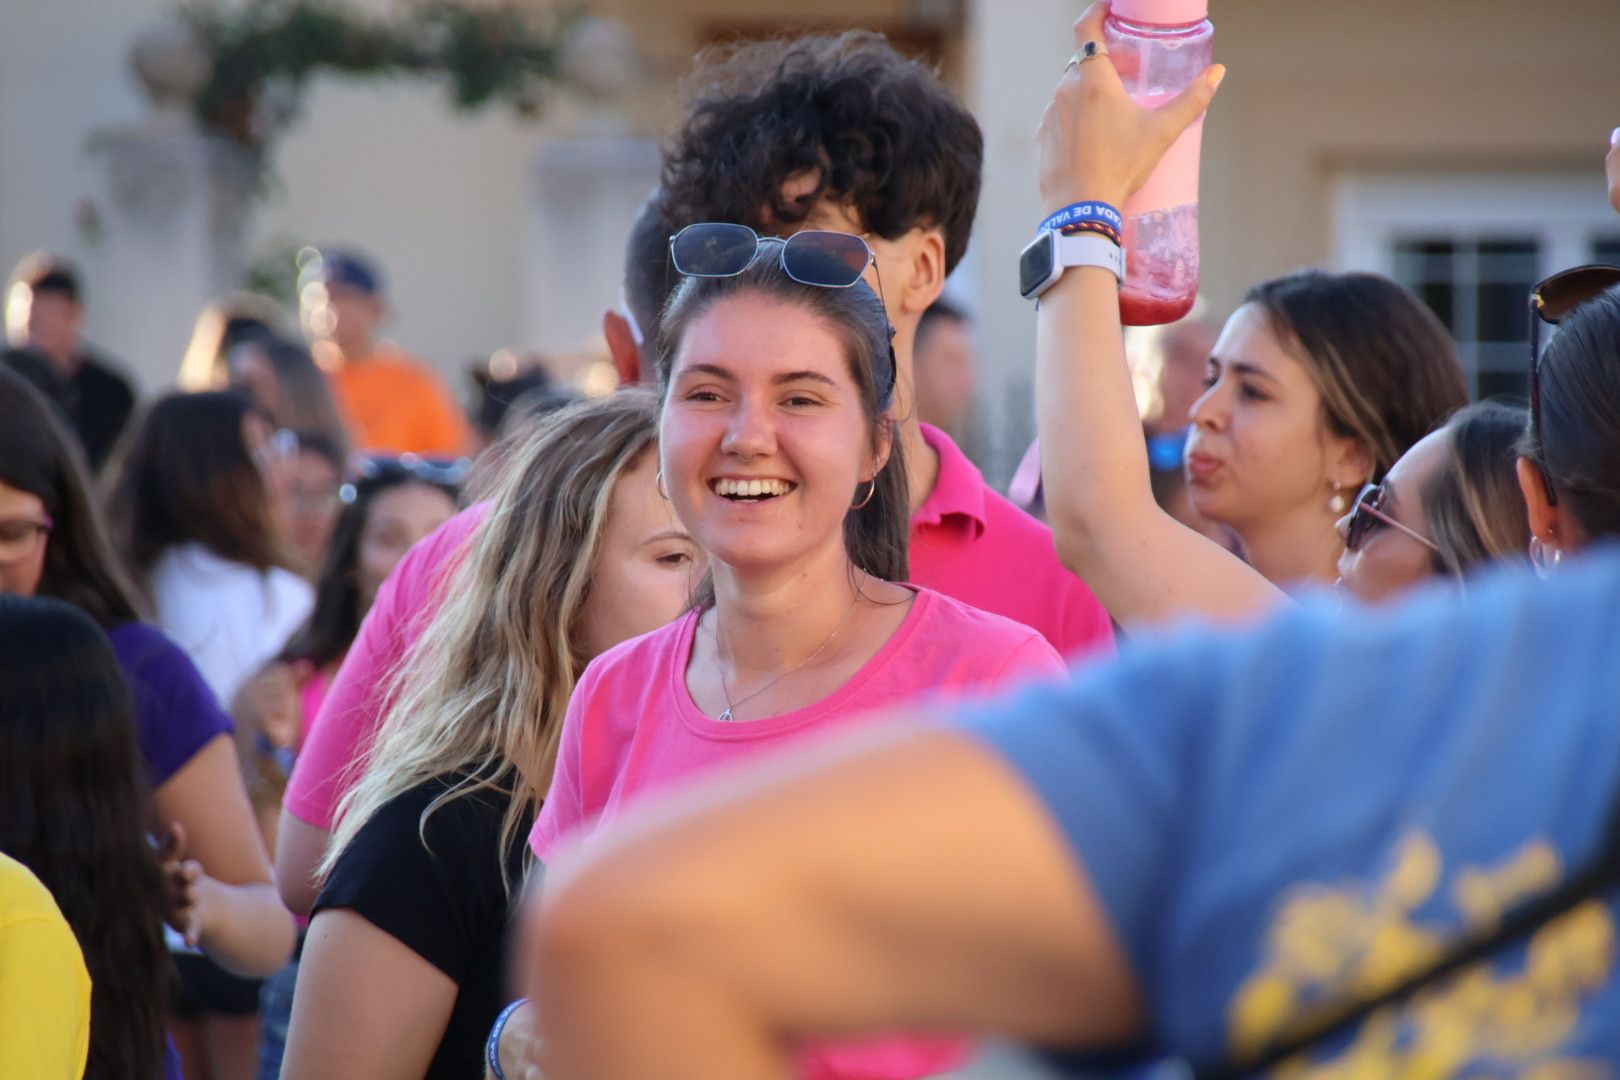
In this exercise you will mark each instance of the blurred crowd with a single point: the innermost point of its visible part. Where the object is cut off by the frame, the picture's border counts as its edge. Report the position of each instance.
(731, 724)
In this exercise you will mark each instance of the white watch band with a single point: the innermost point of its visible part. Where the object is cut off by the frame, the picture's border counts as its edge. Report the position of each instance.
(1090, 249)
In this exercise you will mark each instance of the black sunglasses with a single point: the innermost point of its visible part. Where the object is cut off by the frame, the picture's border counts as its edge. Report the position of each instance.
(1368, 516)
(1551, 300)
(819, 257)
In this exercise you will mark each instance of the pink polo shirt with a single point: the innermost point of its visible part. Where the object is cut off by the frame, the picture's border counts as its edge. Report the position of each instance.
(632, 729)
(970, 542)
(340, 734)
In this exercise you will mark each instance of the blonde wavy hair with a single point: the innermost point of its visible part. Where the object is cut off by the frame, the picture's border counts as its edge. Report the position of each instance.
(482, 696)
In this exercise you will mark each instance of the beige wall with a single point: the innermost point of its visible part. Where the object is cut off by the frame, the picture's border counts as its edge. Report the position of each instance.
(1316, 89)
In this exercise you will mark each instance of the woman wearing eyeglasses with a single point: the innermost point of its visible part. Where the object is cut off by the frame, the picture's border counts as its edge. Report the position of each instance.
(778, 455)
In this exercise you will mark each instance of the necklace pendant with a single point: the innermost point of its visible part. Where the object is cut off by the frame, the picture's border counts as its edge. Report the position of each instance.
(726, 717)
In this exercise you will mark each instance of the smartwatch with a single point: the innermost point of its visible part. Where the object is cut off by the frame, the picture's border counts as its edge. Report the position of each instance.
(1050, 253)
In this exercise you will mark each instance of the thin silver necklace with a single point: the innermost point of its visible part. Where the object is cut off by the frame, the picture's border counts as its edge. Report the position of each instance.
(727, 717)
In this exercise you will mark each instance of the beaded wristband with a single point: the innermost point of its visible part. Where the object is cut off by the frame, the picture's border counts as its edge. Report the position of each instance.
(1096, 227)
(492, 1048)
(1083, 211)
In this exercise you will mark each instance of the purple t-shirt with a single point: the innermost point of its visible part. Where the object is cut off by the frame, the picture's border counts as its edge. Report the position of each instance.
(176, 714)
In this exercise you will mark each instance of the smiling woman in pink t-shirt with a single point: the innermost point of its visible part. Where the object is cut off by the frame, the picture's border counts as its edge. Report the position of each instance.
(778, 454)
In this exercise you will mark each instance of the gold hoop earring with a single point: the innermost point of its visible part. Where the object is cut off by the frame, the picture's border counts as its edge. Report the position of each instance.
(871, 490)
(658, 482)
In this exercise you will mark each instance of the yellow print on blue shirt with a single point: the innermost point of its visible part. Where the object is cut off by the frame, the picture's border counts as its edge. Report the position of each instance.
(1508, 1019)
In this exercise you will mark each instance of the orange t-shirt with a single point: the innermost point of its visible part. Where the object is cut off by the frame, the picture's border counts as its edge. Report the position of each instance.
(396, 404)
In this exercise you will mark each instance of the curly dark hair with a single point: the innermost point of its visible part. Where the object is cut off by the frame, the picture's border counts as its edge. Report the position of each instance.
(884, 133)
(73, 810)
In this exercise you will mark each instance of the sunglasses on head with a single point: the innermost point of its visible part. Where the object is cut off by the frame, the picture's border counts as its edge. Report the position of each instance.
(446, 473)
(832, 260)
(1367, 516)
(819, 257)
(1551, 301)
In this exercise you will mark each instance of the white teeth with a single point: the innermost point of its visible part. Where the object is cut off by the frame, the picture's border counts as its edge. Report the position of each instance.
(752, 489)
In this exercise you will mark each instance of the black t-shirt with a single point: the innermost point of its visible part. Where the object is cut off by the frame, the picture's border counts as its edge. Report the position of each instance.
(445, 902)
(100, 407)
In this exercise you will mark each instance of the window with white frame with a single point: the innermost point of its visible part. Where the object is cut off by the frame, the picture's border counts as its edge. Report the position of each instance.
(1471, 245)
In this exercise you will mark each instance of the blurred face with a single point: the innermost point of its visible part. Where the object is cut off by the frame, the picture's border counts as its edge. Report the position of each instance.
(271, 452)
(22, 541)
(646, 567)
(764, 438)
(251, 373)
(311, 501)
(344, 315)
(1259, 448)
(943, 361)
(48, 321)
(1389, 560)
(1185, 353)
(399, 517)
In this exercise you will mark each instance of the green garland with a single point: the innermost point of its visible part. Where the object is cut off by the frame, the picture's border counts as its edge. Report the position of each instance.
(265, 52)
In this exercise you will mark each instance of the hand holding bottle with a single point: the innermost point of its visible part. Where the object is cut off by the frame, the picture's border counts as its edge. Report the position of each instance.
(1094, 142)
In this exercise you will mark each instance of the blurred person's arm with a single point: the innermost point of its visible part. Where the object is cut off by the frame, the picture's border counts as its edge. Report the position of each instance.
(1095, 144)
(233, 912)
(892, 908)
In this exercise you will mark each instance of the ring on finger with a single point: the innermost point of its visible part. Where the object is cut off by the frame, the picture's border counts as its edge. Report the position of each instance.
(1089, 50)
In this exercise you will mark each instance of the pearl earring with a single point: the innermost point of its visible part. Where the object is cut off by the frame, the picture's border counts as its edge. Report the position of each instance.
(1337, 504)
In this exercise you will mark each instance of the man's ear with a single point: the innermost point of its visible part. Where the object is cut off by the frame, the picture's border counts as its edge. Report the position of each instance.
(621, 343)
(926, 279)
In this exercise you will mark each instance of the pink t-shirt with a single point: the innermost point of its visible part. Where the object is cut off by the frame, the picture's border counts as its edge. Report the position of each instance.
(970, 542)
(632, 729)
(967, 542)
(340, 734)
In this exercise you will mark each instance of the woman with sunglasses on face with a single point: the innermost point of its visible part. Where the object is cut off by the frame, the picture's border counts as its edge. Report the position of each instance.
(53, 542)
(778, 454)
(1569, 470)
(402, 974)
(1450, 505)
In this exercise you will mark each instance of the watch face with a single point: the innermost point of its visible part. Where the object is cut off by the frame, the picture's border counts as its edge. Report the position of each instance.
(1036, 265)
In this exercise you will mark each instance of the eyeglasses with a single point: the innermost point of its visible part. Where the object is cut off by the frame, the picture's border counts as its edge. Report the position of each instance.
(1367, 517)
(1551, 300)
(20, 538)
(820, 257)
(446, 473)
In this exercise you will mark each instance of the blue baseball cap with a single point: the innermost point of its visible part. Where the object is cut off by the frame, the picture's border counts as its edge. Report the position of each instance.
(338, 266)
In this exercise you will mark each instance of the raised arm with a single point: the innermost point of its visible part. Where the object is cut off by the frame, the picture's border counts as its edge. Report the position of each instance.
(721, 947)
(1094, 143)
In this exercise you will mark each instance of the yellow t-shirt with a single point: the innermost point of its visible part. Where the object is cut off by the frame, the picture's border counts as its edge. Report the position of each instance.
(44, 987)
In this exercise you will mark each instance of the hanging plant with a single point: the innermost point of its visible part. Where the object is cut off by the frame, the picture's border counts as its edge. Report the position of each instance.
(262, 55)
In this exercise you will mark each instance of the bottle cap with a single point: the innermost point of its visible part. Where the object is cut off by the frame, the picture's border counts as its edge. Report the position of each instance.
(1161, 12)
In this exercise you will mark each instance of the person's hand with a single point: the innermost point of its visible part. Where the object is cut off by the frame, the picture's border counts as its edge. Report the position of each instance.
(185, 886)
(268, 703)
(1611, 167)
(1094, 142)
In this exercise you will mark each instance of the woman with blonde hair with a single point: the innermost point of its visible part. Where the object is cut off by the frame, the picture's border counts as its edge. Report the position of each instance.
(219, 327)
(402, 969)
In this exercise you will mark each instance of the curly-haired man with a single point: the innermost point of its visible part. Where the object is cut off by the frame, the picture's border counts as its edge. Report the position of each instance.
(843, 133)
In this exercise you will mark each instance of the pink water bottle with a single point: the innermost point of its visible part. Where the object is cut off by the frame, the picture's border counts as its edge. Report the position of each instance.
(1158, 48)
